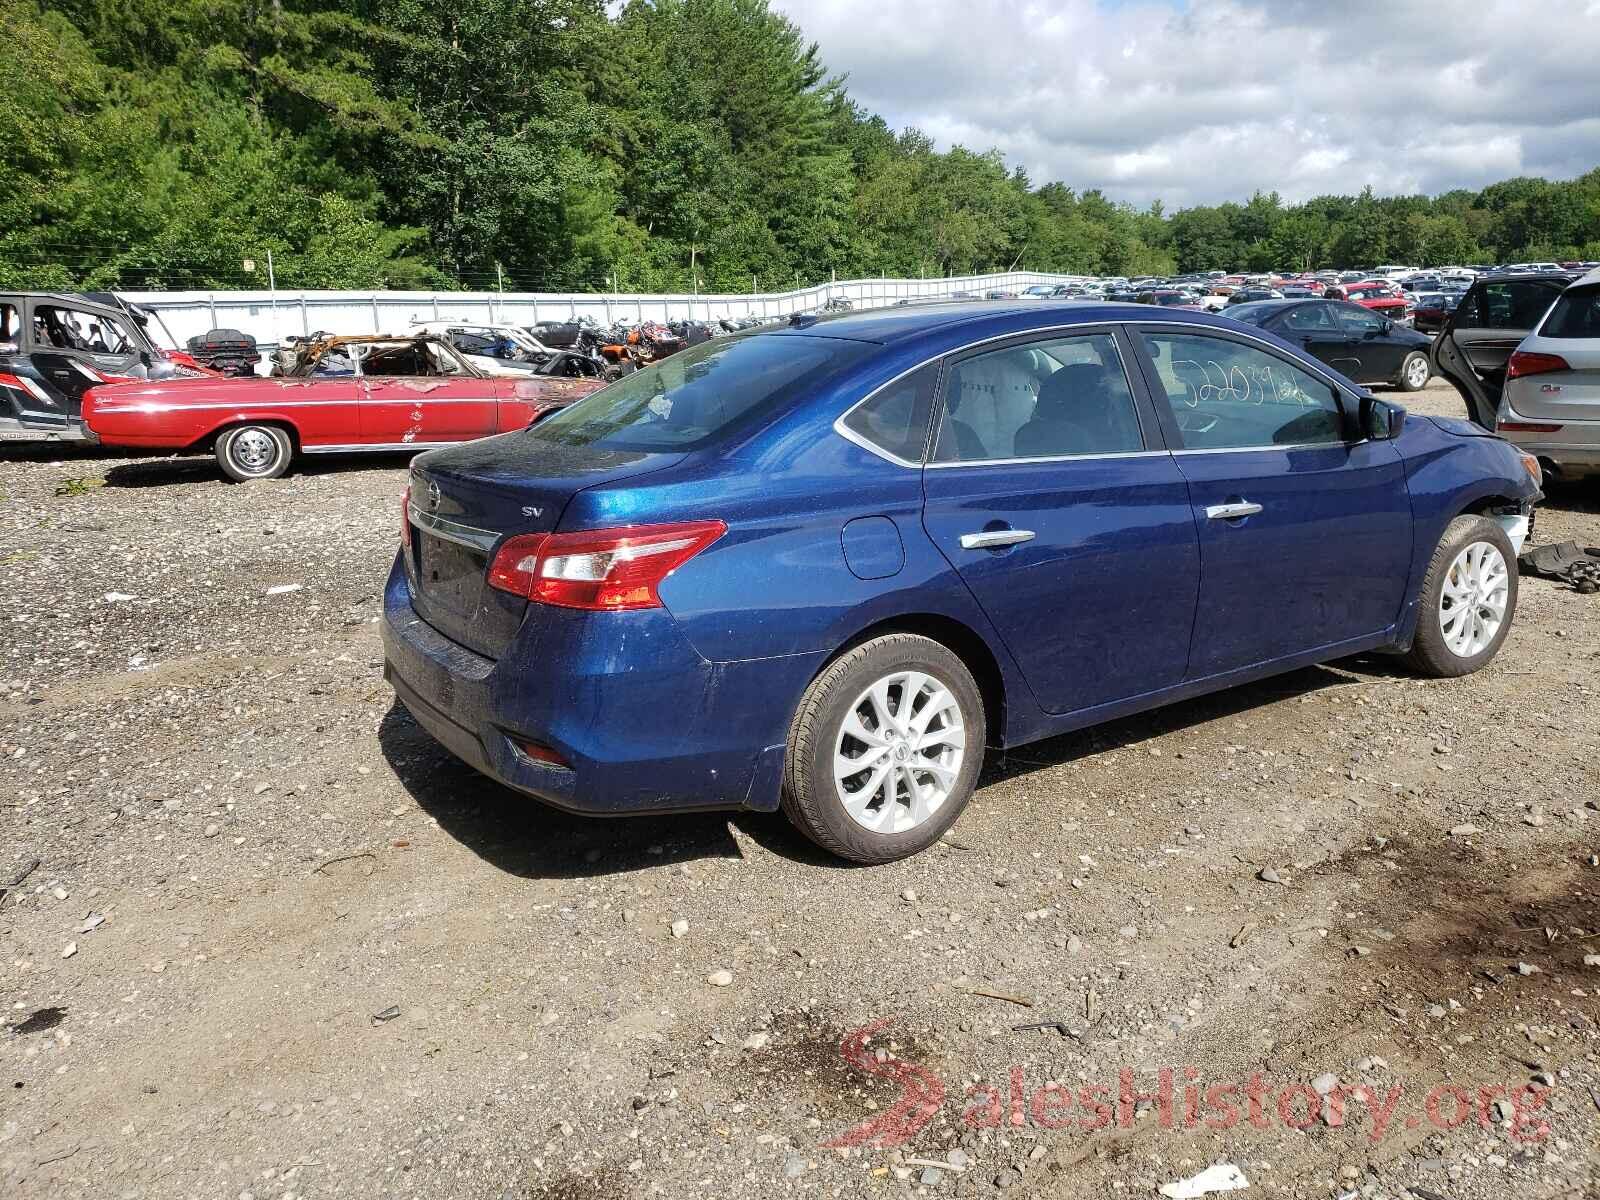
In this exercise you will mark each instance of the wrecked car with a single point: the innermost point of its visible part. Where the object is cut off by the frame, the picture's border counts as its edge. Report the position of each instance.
(54, 347)
(346, 394)
(824, 567)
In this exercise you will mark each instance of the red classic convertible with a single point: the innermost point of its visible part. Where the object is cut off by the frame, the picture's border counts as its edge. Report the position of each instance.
(344, 394)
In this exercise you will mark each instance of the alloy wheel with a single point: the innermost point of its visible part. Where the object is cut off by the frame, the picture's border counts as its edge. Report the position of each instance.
(1472, 602)
(899, 752)
(1417, 372)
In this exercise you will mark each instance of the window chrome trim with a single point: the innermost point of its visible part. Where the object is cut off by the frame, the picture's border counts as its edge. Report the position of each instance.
(453, 531)
(1131, 325)
(1339, 445)
(1048, 458)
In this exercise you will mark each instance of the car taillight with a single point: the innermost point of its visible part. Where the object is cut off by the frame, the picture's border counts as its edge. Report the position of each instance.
(405, 521)
(603, 569)
(1528, 363)
(1525, 427)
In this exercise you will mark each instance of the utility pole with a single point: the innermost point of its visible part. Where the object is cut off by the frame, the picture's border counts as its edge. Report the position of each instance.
(694, 279)
(500, 286)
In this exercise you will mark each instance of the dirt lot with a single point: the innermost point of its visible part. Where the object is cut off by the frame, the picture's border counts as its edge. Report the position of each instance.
(278, 944)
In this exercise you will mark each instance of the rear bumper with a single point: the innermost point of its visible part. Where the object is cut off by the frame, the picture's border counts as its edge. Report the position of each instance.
(644, 723)
(1574, 447)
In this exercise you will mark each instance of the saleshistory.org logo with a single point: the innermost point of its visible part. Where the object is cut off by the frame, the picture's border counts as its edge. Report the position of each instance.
(1177, 1098)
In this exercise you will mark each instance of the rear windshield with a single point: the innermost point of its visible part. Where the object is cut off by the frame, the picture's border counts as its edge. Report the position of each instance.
(689, 399)
(1575, 315)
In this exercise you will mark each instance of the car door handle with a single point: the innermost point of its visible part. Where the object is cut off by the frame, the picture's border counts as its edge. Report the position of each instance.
(989, 539)
(1232, 512)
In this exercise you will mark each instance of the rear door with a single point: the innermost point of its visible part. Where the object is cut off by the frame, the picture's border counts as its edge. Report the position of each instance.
(1305, 530)
(1051, 492)
(1473, 348)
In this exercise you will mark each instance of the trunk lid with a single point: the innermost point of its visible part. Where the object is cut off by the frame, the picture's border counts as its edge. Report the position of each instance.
(466, 499)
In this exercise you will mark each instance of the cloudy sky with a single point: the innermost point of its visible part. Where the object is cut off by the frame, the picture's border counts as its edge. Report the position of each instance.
(1196, 101)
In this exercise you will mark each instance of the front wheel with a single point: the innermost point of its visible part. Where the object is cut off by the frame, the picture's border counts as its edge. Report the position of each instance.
(884, 749)
(1414, 372)
(254, 452)
(1469, 597)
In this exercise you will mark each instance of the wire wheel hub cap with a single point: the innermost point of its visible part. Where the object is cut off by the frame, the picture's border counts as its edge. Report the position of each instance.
(899, 752)
(1473, 600)
(254, 450)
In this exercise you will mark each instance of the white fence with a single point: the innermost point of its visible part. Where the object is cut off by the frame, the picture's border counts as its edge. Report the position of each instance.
(270, 317)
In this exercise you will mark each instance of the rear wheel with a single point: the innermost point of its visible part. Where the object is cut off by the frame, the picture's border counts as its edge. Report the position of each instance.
(1469, 598)
(1414, 372)
(254, 452)
(885, 749)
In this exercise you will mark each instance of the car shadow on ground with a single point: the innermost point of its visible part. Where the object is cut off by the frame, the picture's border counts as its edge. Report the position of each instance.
(202, 468)
(1573, 496)
(1173, 718)
(522, 837)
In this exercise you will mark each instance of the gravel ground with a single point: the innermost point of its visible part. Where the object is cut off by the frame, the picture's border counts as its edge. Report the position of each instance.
(278, 944)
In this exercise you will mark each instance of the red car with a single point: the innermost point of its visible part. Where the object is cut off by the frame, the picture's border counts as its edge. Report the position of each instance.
(345, 394)
(1376, 294)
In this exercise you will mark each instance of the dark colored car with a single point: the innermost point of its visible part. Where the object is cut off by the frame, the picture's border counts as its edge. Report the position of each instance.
(824, 567)
(1433, 310)
(53, 348)
(1168, 298)
(1355, 341)
(1476, 342)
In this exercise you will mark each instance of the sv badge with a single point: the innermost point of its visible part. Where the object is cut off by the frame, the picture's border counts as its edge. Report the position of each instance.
(528, 510)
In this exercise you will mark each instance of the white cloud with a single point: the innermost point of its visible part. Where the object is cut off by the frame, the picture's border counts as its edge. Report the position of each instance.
(1211, 100)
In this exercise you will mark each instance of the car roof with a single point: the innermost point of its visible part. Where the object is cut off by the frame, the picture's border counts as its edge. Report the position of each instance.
(970, 321)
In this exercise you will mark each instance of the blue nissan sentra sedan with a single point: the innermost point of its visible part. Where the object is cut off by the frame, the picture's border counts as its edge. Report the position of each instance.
(824, 567)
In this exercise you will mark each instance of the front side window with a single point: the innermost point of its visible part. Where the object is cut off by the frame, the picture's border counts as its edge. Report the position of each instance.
(1229, 396)
(1047, 399)
(895, 418)
(78, 329)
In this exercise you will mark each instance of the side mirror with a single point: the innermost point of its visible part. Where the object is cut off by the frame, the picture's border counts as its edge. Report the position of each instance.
(1380, 420)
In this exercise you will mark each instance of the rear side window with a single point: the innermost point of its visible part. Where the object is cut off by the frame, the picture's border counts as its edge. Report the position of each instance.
(1045, 399)
(10, 328)
(895, 418)
(1310, 318)
(1511, 304)
(1359, 321)
(691, 398)
(1575, 315)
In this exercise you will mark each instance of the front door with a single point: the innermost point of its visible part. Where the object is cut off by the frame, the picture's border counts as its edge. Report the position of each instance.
(421, 393)
(1305, 529)
(1318, 331)
(1050, 492)
(71, 349)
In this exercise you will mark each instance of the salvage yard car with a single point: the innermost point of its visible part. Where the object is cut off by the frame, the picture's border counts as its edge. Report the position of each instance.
(54, 348)
(1474, 348)
(1550, 405)
(344, 394)
(1355, 341)
(824, 567)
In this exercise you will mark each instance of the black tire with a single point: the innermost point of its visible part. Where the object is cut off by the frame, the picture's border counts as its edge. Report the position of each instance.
(1406, 381)
(810, 796)
(247, 452)
(1430, 653)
